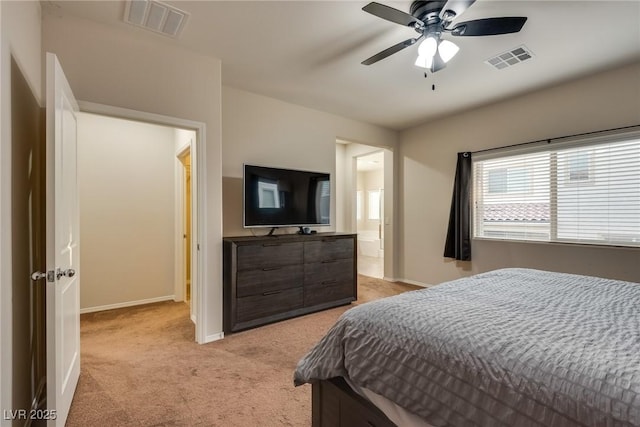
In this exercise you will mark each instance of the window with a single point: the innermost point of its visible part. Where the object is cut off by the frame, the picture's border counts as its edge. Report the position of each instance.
(580, 191)
(374, 205)
(268, 196)
(508, 180)
(323, 201)
(577, 165)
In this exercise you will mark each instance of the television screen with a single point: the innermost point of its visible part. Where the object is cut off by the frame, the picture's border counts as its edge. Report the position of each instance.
(276, 197)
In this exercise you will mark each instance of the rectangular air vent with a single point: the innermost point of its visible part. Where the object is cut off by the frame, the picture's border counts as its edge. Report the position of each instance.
(509, 58)
(155, 16)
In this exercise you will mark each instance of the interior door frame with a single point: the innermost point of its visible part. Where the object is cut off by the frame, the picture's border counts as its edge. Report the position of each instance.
(389, 223)
(180, 204)
(365, 199)
(198, 183)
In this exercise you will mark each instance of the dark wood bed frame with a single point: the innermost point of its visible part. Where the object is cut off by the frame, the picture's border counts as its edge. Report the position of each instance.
(335, 404)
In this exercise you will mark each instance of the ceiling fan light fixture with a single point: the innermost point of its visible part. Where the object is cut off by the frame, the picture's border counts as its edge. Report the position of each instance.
(424, 61)
(428, 47)
(447, 50)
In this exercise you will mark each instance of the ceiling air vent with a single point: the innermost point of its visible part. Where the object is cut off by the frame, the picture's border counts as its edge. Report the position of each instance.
(509, 58)
(155, 16)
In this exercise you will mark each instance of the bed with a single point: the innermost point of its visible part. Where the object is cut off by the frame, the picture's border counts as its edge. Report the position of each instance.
(511, 347)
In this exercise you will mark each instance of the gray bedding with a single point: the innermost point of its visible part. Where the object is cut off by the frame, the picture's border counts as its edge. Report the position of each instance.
(512, 347)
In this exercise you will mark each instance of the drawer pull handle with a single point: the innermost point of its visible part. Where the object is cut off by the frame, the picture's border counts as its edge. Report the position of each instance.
(270, 293)
(271, 268)
(328, 282)
(328, 261)
(329, 240)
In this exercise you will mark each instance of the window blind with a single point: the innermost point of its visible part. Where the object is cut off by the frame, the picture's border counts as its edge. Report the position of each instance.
(581, 191)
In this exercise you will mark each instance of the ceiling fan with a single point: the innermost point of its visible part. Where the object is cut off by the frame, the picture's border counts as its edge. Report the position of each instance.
(431, 19)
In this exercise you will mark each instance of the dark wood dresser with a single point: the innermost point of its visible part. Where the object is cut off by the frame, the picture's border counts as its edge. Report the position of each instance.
(272, 278)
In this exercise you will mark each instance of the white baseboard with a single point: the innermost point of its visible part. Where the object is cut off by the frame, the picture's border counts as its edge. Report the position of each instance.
(214, 337)
(193, 318)
(414, 282)
(125, 304)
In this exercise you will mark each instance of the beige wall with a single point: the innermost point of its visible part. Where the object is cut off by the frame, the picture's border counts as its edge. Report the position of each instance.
(428, 157)
(265, 131)
(106, 65)
(127, 224)
(20, 38)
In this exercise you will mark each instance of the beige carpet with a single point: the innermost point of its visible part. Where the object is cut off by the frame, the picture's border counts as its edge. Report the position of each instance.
(141, 367)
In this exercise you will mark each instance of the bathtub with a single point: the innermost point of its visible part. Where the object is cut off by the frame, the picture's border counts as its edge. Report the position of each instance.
(369, 244)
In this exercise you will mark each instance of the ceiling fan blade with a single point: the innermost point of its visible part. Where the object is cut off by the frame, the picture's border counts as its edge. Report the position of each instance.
(390, 51)
(391, 14)
(455, 6)
(489, 26)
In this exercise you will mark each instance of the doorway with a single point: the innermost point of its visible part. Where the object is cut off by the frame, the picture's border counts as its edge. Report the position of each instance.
(183, 220)
(370, 213)
(28, 250)
(149, 199)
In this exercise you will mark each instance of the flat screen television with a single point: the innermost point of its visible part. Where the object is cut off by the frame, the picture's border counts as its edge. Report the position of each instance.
(275, 197)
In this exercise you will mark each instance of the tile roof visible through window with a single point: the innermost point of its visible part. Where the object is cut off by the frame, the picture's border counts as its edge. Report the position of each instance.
(534, 212)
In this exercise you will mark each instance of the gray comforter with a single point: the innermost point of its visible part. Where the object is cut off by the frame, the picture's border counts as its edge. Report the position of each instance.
(512, 347)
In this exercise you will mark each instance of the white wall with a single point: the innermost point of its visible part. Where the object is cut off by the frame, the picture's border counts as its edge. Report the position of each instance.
(127, 223)
(428, 156)
(20, 38)
(146, 72)
(265, 131)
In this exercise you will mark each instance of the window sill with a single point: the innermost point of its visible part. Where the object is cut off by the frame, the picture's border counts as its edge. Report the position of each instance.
(568, 244)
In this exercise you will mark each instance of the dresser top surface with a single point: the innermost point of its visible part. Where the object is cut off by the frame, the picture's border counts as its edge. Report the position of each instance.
(286, 237)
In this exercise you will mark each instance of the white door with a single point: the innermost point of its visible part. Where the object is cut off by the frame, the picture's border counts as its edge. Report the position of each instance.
(63, 285)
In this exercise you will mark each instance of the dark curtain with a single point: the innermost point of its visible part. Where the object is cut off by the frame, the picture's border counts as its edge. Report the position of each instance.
(458, 243)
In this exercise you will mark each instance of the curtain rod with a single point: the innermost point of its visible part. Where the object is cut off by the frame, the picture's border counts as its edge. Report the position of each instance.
(548, 140)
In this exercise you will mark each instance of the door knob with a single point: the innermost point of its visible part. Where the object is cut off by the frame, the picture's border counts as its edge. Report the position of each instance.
(37, 275)
(69, 272)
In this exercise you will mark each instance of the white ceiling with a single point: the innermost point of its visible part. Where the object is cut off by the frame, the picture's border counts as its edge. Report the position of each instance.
(309, 52)
(370, 162)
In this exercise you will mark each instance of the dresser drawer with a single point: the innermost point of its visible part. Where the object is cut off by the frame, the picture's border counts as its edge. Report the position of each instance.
(329, 272)
(327, 249)
(320, 294)
(268, 303)
(268, 279)
(265, 255)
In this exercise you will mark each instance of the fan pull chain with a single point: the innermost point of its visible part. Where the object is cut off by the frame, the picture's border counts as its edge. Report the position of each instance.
(433, 86)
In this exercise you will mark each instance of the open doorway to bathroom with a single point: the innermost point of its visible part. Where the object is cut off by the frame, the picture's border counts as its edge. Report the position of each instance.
(370, 213)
